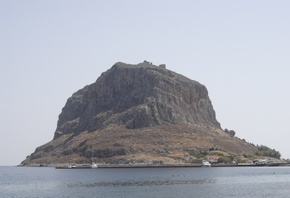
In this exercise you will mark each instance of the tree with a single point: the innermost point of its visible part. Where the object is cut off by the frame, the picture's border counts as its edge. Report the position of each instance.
(230, 132)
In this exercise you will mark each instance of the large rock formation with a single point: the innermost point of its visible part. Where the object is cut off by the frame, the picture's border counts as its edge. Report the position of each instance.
(141, 112)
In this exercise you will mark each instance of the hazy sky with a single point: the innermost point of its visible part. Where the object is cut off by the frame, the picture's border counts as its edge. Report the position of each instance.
(240, 50)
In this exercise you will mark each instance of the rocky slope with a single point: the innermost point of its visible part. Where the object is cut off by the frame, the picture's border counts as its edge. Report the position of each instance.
(137, 114)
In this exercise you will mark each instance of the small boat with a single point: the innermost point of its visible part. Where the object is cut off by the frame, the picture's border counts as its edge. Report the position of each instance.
(94, 165)
(205, 163)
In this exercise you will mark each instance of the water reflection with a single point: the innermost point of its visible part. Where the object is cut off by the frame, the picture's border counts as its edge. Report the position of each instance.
(141, 183)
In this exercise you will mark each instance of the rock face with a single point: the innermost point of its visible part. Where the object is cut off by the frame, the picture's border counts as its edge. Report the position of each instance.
(136, 96)
(136, 113)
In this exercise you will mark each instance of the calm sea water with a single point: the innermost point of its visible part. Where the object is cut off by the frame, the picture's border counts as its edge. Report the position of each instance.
(258, 182)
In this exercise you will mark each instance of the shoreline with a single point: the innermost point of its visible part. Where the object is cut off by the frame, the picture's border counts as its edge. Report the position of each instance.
(103, 166)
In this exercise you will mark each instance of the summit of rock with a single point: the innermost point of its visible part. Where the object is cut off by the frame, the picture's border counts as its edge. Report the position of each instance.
(136, 96)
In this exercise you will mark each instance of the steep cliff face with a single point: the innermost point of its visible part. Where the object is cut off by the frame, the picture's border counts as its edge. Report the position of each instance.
(136, 96)
(137, 114)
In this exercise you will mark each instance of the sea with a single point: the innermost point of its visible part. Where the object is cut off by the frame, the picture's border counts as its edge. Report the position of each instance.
(210, 182)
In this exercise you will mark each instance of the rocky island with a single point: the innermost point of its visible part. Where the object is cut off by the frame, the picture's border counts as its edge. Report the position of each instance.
(139, 114)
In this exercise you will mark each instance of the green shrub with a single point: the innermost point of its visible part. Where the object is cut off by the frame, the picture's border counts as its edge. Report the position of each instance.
(225, 159)
(267, 152)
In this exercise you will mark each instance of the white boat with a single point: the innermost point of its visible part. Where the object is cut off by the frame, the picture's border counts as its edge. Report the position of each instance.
(94, 165)
(205, 163)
